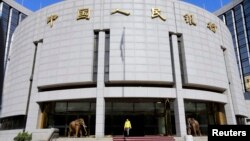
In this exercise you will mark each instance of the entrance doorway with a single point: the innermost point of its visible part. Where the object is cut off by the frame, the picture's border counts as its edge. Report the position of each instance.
(138, 125)
(115, 124)
(61, 121)
(206, 113)
(147, 117)
(59, 114)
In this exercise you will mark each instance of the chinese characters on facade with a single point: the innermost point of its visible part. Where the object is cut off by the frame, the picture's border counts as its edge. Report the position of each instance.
(83, 14)
(212, 27)
(51, 19)
(155, 13)
(189, 19)
(120, 11)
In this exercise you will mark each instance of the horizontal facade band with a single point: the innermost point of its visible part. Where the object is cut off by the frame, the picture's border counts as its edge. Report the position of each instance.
(139, 83)
(204, 88)
(64, 86)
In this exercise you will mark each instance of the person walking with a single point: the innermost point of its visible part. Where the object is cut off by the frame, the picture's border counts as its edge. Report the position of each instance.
(127, 127)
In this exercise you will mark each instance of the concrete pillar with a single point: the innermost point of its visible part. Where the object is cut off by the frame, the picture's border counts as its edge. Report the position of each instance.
(100, 102)
(179, 110)
(229, 108)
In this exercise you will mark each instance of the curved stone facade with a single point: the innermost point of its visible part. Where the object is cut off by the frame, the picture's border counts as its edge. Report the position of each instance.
(104, 50)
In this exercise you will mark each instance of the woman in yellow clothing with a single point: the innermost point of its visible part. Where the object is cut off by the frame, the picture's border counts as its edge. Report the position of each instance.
(127, 127)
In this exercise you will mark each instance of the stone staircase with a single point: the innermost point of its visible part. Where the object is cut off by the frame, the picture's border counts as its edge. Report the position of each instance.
(197, 138)
(83, 139)
(144, 138)
(118, 138)
(121, 138)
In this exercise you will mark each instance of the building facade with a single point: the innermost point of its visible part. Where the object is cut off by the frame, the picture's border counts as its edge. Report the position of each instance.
(236, 15)
(11, 14)
(154, 62)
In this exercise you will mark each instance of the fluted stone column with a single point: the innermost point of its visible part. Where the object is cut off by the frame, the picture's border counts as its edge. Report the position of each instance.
(179, 109)
(100, 102)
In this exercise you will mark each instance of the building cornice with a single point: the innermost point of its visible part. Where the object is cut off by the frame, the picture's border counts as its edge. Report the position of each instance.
(227, 7)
